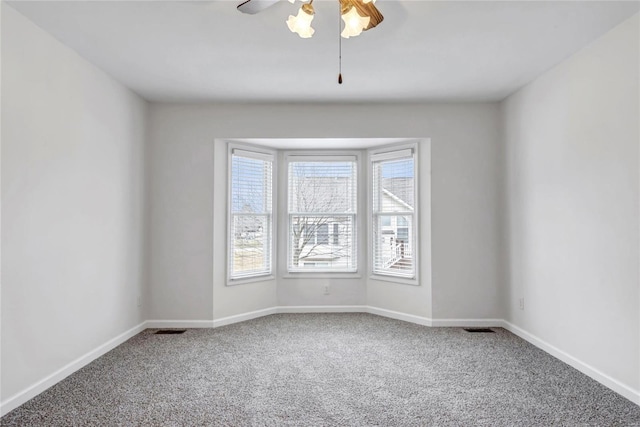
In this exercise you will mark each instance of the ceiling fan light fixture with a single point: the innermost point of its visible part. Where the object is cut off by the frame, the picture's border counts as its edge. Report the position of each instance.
(365, 9)
(357, 15)
(354, 23)
(301, 23)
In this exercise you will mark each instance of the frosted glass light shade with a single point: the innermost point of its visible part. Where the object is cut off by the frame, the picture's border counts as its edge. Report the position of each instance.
(301, 23)
(354, 24)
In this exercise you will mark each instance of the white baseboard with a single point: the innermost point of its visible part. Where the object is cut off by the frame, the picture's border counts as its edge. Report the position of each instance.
(35, 389)
(425, 321)
(289, 309)
(590, 371)
(463, 323)
(323, 309)
(243, 317)
(184, 324)
(229, 320)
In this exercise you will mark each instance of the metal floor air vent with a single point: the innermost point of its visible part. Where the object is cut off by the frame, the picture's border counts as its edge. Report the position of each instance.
(170, 331)
(485, 330)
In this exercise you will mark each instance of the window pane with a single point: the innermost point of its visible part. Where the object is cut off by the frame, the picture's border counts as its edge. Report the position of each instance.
(322, 187)
(393, 186)
(392, 246)
(250, 245)
(311, 247)
(323, 234)
(250, 185)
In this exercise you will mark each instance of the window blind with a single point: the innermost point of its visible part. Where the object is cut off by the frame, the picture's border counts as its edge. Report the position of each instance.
(322, 201)
(250, 218)
(393, 221)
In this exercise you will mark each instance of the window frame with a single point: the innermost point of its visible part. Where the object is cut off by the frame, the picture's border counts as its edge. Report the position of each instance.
(391, 149)
(289, 156)
(266, 275)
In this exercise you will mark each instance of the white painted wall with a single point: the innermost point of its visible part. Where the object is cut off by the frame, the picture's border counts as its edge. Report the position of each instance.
(72, 205)
(188, 206)
(572, 197)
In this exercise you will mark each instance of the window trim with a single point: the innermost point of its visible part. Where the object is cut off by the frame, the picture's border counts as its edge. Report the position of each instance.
(259, 153)
(289, 156)
(389, 152)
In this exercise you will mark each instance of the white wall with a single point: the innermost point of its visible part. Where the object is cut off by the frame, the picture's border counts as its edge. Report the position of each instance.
(72, 205)
(188, 206)
(572, 194)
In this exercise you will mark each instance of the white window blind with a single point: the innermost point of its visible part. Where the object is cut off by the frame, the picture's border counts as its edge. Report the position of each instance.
(393, 219)
(322, 200)
(250, 218)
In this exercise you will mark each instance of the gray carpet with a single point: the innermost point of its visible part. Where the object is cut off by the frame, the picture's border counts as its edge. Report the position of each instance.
(327, 370)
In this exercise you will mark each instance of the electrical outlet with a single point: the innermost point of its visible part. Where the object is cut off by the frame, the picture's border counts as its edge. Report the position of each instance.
(521, 303)
(327, 290)
(139, 301)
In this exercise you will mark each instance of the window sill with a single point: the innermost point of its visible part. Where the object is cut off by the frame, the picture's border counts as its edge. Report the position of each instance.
(254, 279)
(321, 275)
(395, 279)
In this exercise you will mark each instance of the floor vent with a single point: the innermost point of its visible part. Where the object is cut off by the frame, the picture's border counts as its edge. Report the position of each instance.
(485, 330)
(170, 331)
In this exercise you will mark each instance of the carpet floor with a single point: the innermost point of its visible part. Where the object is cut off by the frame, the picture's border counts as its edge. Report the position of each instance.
(326, 370)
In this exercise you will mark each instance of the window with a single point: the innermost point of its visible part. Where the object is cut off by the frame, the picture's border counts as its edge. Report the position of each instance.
(336, 233)
(250, 216)
(393, 213)
(318, 216)
(322, 198)
(322, 236)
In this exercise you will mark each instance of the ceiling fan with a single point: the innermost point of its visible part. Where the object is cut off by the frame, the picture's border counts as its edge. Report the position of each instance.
(358, 16)
(254, 6)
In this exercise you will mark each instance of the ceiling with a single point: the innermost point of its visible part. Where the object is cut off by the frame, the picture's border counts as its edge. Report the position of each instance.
(203, 51)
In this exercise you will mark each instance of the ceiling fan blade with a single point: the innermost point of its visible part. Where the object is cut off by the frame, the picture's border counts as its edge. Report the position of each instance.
(255, 6)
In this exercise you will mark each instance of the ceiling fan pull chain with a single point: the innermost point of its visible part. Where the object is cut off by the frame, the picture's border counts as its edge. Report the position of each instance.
(340, 48)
